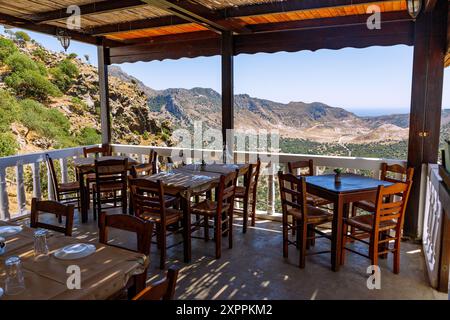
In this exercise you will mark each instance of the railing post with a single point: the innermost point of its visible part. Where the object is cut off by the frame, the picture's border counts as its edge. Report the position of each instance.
(35, 169)
(50, 191)
(21, 202)
(4, 201)
(63, 165)
(270, 189)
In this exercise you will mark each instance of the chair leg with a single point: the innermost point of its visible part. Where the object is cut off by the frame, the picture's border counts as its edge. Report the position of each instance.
(373, 249)
(206, 227)
(353, 214)
(285, 236)
(344, 242)
(383, 246)
(245, 216)
(218, 233)
(230, 229)
(294, 226)
(253, 211)
(397, 254)
(124, 202)
(303, 234)
(162, 245)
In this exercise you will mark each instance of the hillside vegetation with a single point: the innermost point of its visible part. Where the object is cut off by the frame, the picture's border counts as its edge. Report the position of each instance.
(50, 100)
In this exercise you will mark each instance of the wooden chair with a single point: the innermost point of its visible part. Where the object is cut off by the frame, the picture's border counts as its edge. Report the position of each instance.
(143, 230)
(104, 150)
(297, 168)
(149, 203)
(53, 207)
(161, 290)
(395, 174)
(110, 178)
(246, 195)
(390, 208)
(66, 193)
(306, 216)
(142, 170)
(220, 210)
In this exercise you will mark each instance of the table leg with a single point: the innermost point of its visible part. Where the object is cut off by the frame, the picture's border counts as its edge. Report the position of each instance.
(336, 243)
(186, 205)
(83, 198)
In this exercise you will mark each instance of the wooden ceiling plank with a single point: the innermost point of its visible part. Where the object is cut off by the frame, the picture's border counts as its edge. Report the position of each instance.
(87, 9)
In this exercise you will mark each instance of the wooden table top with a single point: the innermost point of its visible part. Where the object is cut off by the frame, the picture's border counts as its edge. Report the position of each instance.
(223, 168)
(180, 180)
(102, 274)
(349, 183)
(90, 162)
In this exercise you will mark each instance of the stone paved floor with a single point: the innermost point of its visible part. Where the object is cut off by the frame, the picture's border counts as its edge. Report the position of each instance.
(255, 269)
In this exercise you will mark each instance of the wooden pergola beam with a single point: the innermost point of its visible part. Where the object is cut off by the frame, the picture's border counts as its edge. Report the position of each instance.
(225, 16)
(87, 9)
(16, 22)
(197, 13)
(333, 22)
(426, 102)
(227, 53)
(357, 36)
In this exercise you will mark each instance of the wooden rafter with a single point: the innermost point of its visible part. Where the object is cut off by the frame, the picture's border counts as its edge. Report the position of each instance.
(225, 16)
(87, 9)
(197, 13)
(16, 22)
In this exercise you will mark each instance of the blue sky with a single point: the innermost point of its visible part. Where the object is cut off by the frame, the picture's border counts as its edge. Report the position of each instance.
(374, 80)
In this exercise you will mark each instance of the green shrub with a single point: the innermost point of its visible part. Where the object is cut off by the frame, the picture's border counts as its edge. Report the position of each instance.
(22, 35)
(40, 53)
(72, 55)
(8, 144)
(78, 106)
(60, 79)
(69, 68)
(32, 84)
(89, 136)
(7, 48)
(20, 62)
(9, 110)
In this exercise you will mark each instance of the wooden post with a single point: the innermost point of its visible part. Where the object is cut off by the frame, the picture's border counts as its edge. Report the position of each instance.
(21, 201)
(426, 102)
(4, 201)
(227, 89)
(35, 168)
(105, 114)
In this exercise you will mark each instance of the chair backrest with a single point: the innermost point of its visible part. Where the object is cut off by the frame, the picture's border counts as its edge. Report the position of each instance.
(53, 207)
(153, 160)
(144, 169)
(296, 166)
(226, 190)
(104, 150)
(148, 198)
(396, 173)
(143, 229)
(53, 176)
(161, 290)
(293, 193)
(252, 177)
(111, 171)
(390, 207)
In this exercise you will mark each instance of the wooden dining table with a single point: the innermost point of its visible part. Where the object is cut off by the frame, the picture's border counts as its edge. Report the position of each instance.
(103, 274)
(84, 166)
(352, 188)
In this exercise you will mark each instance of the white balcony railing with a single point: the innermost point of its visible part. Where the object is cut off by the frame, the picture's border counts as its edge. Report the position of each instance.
(12, 170)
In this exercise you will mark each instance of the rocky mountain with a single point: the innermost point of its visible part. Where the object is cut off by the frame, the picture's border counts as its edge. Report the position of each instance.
(51, 100)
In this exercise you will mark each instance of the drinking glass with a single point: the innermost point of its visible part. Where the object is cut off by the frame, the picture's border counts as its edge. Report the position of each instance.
(2, 245)
(40, 245)
(169, 167)
(14, 283)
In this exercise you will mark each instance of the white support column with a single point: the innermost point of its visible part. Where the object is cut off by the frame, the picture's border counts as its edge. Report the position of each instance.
(35, 169)
(270, 189)
(21, 200)
(4, 201)
(64, 174)
(51, 192)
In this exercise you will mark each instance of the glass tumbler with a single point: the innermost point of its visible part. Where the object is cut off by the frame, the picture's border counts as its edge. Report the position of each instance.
(14, 283)
(40, 245)
(169, 167)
